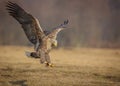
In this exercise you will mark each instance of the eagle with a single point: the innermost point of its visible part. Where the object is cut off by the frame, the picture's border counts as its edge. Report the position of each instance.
(42, 40)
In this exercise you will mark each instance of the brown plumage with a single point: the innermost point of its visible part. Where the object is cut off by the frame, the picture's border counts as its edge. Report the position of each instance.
(42, 40)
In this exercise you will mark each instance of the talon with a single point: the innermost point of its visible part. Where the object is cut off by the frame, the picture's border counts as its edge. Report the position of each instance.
(49, 65)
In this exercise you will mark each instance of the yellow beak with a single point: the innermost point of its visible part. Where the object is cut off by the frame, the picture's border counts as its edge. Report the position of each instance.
(54, 43)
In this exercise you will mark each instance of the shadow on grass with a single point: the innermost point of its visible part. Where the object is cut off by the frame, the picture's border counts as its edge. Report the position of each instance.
(19, 82)
(109, 77)
(6, 69)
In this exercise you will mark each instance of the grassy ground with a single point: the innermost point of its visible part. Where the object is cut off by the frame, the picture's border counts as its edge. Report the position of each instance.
(73, 67)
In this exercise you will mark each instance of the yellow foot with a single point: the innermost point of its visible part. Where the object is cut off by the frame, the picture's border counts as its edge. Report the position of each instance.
(49, 65)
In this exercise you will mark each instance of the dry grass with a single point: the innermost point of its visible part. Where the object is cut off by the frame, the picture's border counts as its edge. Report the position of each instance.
(73, 67)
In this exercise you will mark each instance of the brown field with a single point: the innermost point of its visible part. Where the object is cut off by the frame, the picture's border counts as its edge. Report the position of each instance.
(73, 67)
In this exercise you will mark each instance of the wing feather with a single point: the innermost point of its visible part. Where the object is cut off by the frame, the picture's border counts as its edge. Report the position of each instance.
(29, 24)
(54, 33)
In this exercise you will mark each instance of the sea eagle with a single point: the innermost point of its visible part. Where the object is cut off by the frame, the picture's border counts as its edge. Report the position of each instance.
(42, 40)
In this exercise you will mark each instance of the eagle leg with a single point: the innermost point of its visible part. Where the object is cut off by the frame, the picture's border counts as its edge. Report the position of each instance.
(48, 61)
(42, 55)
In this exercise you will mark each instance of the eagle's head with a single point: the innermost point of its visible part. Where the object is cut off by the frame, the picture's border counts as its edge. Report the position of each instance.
(54, 43)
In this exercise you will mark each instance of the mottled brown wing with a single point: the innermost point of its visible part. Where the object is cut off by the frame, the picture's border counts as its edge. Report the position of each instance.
(54, 33)
(29, 24)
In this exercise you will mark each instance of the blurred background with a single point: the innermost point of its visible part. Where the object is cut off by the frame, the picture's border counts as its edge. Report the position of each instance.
(92, 23)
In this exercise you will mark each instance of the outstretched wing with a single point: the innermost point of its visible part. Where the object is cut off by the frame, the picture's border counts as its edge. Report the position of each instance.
(29, 24)
(54, 33)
